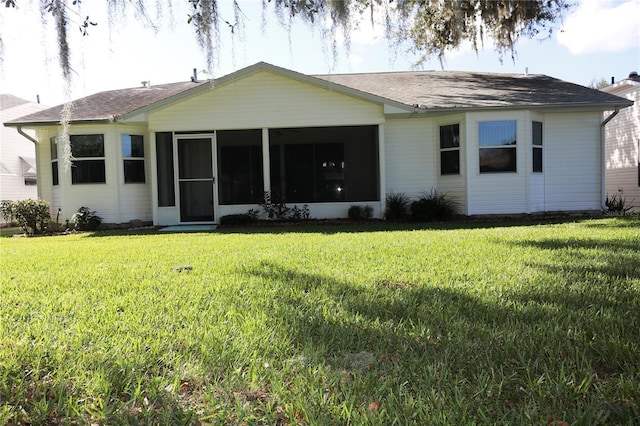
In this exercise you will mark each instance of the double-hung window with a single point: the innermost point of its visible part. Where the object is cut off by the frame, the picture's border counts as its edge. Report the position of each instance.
(536, 142)
(54, 159)
(450, 149)
(133, 158)
(497, 140)
(88, 159)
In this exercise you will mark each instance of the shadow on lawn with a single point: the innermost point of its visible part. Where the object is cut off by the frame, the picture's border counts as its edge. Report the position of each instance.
(550, 333)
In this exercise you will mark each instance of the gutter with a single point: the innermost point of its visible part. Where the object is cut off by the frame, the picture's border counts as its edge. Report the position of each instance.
(603, 165)
(35, 142)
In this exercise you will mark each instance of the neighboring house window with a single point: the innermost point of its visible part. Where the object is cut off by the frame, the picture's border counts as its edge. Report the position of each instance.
(240, 166)
(536, 141)
(54, 159)
(324, 164)
(164, 163)
(497, 140)
(88, 159)
(450, 149)
(133, 157)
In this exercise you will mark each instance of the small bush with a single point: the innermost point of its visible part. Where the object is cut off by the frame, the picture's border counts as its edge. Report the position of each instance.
(30, 215)
(86, 220)
(432, 206)
(617, 204)
(237, 219)
(274, 208)
(5, 210)
(396, 206)
(360, 212)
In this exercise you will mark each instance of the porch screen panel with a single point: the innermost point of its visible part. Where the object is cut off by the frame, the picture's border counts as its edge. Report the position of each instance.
(240, 178)
(324, 164)
(164, 162)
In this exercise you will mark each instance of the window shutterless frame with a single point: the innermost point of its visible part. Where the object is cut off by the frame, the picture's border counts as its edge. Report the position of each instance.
(497, 146)
(450, 149)
(88, 165)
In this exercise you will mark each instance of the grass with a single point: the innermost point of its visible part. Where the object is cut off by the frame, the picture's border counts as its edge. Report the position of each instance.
(491, 324)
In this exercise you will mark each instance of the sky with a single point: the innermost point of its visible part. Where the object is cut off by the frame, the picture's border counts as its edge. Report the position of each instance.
(596, 40)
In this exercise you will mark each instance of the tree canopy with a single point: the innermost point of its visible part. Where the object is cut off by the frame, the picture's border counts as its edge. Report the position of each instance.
(430, 27)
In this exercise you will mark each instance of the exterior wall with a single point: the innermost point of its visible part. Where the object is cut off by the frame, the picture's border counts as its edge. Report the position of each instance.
(409, 156)
(572, 155)
(114, 201)
(497, 193)
(13, 146)
(622, 135)
(536, 180)
(454, 186)
(264, 99)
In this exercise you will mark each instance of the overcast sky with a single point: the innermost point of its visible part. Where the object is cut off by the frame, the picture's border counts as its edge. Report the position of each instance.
(599, 39)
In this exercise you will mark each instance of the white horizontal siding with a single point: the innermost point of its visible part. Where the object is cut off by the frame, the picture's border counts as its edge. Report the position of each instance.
(409, 156)
(572, 161)
(13, 146)
(621, 153)
(453, 186)
(264, 99)
(497, 193)
(536, 192)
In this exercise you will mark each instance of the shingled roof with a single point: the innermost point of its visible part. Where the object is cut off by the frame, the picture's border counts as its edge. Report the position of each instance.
(426, 90)
(109, 105)
(10, 101)
(456, 89)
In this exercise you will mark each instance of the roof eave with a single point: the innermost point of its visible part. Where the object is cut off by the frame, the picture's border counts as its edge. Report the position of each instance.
(56, 123)
(462, 109)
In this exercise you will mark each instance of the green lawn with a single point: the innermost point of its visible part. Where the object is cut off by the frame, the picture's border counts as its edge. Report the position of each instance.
(458, 324)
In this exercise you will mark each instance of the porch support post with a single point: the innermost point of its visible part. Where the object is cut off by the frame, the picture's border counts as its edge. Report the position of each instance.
(154, 176)
(381, 168)
(266, 172)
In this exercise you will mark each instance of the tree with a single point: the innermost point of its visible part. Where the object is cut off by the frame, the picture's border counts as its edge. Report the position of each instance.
(431, 27)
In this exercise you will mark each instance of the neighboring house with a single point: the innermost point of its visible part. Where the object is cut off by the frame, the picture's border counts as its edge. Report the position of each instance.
(17, 154)
(197, 151)
(622, 136)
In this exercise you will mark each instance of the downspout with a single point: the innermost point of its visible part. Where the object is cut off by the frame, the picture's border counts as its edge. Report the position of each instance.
(603, 165)
(35, 142)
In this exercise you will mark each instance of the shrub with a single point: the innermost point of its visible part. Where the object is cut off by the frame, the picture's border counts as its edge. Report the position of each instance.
(275, 208)
(86, 220)
(30, 215)
(360, 212)
(396, 206)
(5, 210)
(432, 206)
(617, 204)
(237, 219)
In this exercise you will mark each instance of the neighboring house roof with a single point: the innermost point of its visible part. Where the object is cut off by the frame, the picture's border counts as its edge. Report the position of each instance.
(10, 101)
(631, 83)
(425, 90)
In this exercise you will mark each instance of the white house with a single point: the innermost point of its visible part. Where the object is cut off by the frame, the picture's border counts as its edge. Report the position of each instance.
(197, 151)
(622, 136)
(17, 154)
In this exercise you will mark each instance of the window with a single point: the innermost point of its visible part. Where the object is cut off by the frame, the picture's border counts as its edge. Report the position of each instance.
(88, 159)
(324, 164)
(240, 166)
(536, 141)
(54, 159)
(164, 162)
(133, 157)
(450, 149)
(497, 140)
